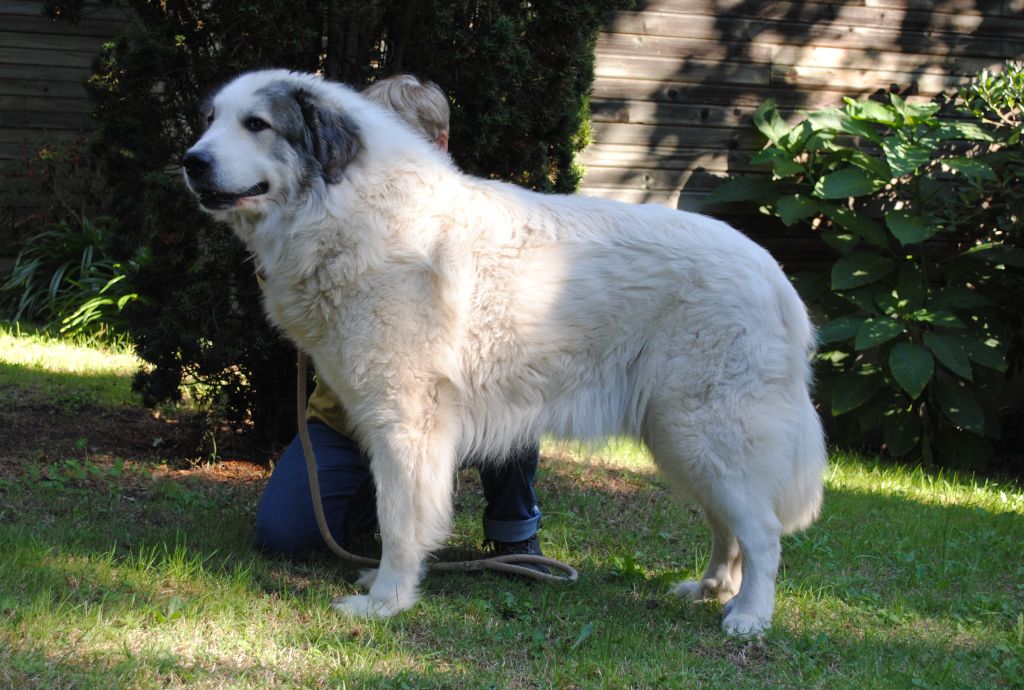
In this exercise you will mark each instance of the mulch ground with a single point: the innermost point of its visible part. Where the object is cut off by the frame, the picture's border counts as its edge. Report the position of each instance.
(35, 431)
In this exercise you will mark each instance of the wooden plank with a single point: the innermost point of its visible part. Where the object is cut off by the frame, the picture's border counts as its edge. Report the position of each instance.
(633, 196)
(46, 103)
(687, 71)
(652, 112)
(650, 179)
(679, 48)
(771, 47)
(843, 58)
(48, 73)
(690, 137)
(889, 34)
(42, 88)
(35, 56)
(668, 158)
(45, 120)
(12, 37)
(928, 82)
(613, 88)
(951, 16)
(37, 136)
(90, 8)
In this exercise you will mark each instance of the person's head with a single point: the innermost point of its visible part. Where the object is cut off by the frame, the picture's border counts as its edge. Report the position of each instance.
(421, 104)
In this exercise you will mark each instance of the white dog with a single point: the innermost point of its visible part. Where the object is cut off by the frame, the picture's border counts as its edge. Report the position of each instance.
(453, 315)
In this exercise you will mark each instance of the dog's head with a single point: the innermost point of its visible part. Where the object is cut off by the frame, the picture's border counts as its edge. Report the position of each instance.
(270, 136)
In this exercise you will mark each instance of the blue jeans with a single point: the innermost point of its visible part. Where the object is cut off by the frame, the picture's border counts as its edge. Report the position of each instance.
(285, 522)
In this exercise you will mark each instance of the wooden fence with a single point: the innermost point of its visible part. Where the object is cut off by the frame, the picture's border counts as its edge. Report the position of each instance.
(677, 80)
(43, 68)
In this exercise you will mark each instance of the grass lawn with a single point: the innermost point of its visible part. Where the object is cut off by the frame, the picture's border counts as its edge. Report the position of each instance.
(122, 565)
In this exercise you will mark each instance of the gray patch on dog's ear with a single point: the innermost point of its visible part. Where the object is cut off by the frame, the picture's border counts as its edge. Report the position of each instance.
(333, 138)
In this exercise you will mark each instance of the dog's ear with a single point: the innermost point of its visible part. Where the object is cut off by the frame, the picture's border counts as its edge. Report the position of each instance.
(332, 138)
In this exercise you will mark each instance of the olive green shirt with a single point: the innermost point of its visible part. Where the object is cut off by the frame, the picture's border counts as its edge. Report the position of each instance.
(324, 407)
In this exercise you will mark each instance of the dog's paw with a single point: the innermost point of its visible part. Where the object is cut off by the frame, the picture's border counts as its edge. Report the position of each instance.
(367, 576)
(744, 624)
(364, 606)
(705, 590)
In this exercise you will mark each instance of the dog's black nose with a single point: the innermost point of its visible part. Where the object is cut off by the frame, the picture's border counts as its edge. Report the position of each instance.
(197, 163)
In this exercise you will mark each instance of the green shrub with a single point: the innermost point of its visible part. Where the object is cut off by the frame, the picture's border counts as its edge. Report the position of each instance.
(517, 75)
(923, 212)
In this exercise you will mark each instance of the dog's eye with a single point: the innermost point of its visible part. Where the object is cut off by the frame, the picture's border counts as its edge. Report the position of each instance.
(255, 124)
(209, 119)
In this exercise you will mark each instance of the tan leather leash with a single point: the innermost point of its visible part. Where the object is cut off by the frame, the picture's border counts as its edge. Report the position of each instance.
(503, 564)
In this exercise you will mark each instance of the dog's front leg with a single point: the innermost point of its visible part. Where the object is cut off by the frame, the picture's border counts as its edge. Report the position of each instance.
(414, 475)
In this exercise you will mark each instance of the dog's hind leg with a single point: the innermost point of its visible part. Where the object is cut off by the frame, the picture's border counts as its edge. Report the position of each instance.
(721, 579)
(711, 461)
(414, 475)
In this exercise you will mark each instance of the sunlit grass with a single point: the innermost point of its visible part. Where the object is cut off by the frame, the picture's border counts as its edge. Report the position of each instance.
(45, 352)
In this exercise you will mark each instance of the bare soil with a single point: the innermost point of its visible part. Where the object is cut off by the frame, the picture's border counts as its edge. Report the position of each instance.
(34, 430)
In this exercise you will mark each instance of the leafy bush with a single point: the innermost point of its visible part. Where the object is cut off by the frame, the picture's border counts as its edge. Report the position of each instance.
(63, 279)
(517, 75)
(923, 211)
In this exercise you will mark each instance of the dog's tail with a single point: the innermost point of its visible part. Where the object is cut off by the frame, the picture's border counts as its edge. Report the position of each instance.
(801, 500)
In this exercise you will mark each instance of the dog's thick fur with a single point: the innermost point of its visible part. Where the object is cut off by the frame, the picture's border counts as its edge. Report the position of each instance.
(455, 316)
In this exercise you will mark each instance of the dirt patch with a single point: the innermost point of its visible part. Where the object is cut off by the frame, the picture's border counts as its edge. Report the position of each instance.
(35, 430)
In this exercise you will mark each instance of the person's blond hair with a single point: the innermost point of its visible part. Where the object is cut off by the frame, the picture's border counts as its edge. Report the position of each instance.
(422, 104)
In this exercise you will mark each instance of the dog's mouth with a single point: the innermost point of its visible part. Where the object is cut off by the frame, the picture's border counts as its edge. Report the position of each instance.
(217, 200)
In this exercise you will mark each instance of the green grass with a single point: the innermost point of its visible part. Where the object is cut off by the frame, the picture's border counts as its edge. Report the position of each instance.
(70, 373)
(116, 575)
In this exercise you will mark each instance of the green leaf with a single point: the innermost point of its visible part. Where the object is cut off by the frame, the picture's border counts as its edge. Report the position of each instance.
(585, 632)
(902, 432)
(911, 288)
(967, 131)
(873, 111)
(852, 389)
(782, 163)
(958, 404)
(797, 139)
(998, 254)
(876, 168)
(905, 157)
(863, 298)
(847, 182)
(795, 208)
(988, 353)
(875, 331)
(839, 121)
(909, 228)
(948, 350)
(912, 366)
(960, 297)
(918, 113)
(768, 122)
(842, 328)
(842, 242)
(970, 167)
(936, 317)
(742, 189)
(864, 227)
(859, 268)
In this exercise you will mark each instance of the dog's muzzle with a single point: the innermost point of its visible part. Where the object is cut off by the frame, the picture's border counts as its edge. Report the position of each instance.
(198, 166)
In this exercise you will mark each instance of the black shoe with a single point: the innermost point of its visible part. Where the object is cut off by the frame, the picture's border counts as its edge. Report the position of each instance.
(529, 546)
